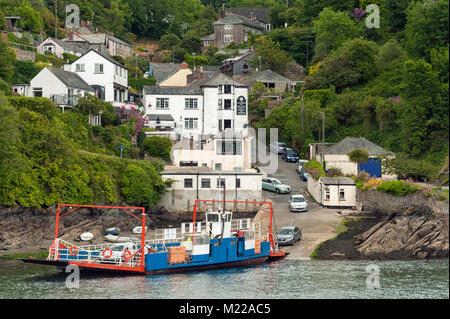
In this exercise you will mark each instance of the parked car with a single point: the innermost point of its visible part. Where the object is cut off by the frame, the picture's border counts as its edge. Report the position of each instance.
(289, 155)
(298, 203)
(274, 185)
(116, 253)
(304, 175)
(289, 235)
(277, 147)
(300, 164)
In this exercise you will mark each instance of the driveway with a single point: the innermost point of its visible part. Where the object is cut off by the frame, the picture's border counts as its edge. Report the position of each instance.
(318, 224)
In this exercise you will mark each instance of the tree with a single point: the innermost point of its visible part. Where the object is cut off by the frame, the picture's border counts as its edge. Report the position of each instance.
(332, 30)
(168, 41)
(358, 156)
(158, 147)
(7, 57)
(272, 56)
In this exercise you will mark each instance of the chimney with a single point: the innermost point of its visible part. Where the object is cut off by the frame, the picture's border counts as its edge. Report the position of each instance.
(83, 23)
(184, 66)
(219, 14)
(70, 35)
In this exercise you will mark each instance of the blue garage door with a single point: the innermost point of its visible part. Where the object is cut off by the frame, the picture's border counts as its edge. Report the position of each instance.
(372, 166)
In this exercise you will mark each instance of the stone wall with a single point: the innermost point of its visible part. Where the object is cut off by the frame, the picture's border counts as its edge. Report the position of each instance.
(25, 55)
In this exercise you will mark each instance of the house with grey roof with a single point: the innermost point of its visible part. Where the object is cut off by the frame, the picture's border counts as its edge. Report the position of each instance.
(271, 79)
(62, 87)
(333, 192)
(170, 74)
(58, 47)
(205, 107)
(336, 156)
(237, 65)
(234, 28)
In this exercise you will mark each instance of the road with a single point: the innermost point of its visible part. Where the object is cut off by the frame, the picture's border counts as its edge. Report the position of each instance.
(318, 224)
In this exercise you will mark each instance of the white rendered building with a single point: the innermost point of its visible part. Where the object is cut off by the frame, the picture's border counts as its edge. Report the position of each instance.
(205, 107)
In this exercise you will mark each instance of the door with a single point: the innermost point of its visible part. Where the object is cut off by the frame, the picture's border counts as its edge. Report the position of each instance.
(372, 167)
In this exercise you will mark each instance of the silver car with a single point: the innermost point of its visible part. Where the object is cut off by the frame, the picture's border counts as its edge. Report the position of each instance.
(274, 185)
(298, 203)
(289, 235)
(277, 147)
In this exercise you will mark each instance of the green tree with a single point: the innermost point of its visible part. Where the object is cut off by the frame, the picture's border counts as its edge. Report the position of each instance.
(7, 58)
(168, 41)
(272, 56)
(358, 156)
(332, 30)
(158, 147)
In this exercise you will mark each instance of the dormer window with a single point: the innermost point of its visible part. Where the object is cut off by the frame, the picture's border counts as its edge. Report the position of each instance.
(228, 27)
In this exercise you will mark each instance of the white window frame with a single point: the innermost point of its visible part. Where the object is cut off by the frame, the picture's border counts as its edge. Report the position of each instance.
(190, 123)
(80, 67)
(162, 102)
(228, 27)
(99, 68)
(191, 103)
(227, 38)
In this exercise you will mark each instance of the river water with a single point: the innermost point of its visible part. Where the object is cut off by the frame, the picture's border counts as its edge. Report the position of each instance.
(288, 279)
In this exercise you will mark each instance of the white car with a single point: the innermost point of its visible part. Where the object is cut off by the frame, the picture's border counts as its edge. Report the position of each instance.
(298, 203)
(274, 185)
(300, 164)
(117, 253)
(277, 147)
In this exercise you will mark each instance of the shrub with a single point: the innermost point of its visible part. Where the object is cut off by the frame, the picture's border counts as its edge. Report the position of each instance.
(397, 188)
(158, 147)
(315, 169)
(333, 171)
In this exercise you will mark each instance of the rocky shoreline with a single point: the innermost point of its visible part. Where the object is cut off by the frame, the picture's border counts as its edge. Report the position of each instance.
(390, 228)
(29, 230)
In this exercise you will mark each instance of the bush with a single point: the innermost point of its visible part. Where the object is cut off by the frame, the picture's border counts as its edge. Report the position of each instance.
(315, 169)
(158, 147)
(397, 188)
(332, 172)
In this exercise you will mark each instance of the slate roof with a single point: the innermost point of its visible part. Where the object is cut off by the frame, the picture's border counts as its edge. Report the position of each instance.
(71, 79)
(261, 14)
(337, 181)
(208, 37)
(97, 38)
(162, 117)
(163, 71)
(218, 79)
(348, 144)
(102, 55)
(268, 76)
(238, 19)
(70, 45)
(171, 90)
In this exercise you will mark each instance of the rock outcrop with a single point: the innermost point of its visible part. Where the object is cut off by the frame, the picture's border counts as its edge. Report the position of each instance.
(417, 232)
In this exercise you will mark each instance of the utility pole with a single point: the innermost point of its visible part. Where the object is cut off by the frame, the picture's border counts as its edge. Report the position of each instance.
(56, 19)
(323, 127)
(302, 112)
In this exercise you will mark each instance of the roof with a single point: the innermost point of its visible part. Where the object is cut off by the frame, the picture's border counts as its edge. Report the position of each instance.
(208, 37)
(261, 14)
(337, 181)
(97, 38)
(238, 19)
(70, 45)
(71, 79)
(194, 170)
(163, 71)
(102, 55)
(218, 79)
(171, 90)
(349, 144)
(161, 117)
(267, 76)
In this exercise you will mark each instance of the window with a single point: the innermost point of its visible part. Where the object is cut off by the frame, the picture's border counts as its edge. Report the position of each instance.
(229, 148)
(220, 125)
(220, 104)
(228, 38)
(188, 163)
(98, 68)
(37, 92)
(190, 123)
(188, 183)
(227, 89)
(206, 183)
(228, 27)
(190, 103)
(238, 183)
(116, 69)
(227, 104)
(341, 194)
(327, 193)
(99, 91)
(219, 87)
(220, 183)
(80, 67)
(227, 124)
(218, 167)
(162, 103)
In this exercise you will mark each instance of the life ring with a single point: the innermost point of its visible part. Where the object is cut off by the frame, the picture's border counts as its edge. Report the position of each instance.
(73, 250)
(105, 250)
(126, 254)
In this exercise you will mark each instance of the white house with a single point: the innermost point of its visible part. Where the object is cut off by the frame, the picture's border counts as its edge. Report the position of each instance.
(204, 107)
(335, 156)
(333, 191)
(105, 75)
(204, 183)
(62, 87)
(228, 151)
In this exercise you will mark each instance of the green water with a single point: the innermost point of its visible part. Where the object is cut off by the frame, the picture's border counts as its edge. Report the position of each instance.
(280, 280)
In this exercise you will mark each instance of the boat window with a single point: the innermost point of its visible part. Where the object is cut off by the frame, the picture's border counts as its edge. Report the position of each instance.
(117, 248)
(213, 217)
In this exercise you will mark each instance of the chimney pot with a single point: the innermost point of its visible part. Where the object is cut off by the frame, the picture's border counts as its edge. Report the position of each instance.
(184, 65)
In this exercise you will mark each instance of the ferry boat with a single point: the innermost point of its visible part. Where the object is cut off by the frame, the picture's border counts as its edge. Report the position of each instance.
(217, 242)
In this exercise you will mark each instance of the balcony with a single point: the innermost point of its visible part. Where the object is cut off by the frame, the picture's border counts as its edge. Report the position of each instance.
(64, 100)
